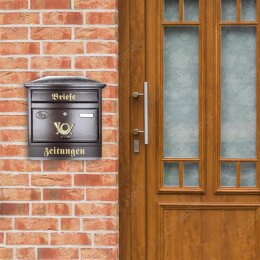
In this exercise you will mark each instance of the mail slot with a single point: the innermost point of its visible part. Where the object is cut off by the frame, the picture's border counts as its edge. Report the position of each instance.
(65, 118)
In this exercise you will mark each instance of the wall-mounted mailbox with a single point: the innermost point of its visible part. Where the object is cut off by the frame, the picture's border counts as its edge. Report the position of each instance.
(65, 118)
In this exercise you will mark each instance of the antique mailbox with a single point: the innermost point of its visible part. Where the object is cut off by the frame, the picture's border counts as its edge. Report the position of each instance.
(65, 118)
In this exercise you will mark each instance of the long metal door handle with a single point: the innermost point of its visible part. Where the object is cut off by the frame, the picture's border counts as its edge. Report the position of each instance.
(146, 113)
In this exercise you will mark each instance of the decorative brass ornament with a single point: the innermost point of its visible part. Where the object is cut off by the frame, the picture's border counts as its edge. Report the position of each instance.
(64, 129)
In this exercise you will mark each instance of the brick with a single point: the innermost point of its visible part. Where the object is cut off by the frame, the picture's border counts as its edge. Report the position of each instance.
(102, 194)
(63, 73)
(20, 48)
(14, 179)
(95, 4)
(13, 136)
(110, 121)
(6, 224)
(53, 209)
(50, 33)
(101, 18)
(10, 77)
(51, 63)
(63, 166)
(63, 48)
(11, 106)
(102, 166)
(107, 77)
(99, 224)
(50, 4)
(89, 209)
(58, 253)
(13, 92)
(63, 194)
(36, 224)
(63, 18)
(109, 106)
(11, 121)
(96, 63)
(13, 33)
(110, 150)
(19, 18)
(98, 253)
(1, 238)
(71, 224)
(51, 180)
(110, 92)
(70, 239)
(13, 63)
(96, 33)
(20, 194)
(25, 254)
(102, 47)
(106, 239)
(19, 165)
(13, 150)
(14, 209)
(110, 135)
(13, 4)
(95, 179)
(6, 253)
(26, 238)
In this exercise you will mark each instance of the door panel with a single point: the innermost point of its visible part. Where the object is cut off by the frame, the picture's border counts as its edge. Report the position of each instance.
(209, 232)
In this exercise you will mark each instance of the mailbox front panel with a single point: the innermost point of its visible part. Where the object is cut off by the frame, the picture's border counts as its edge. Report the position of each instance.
(65, 118)
(61, 125)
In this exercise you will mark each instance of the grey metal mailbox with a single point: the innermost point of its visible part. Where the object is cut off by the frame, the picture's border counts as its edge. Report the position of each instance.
(65, 118)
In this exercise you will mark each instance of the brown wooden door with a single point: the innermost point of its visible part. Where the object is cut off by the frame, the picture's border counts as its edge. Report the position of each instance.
(193, 191)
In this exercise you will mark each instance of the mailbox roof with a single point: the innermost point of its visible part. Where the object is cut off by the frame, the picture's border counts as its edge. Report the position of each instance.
(64, 81)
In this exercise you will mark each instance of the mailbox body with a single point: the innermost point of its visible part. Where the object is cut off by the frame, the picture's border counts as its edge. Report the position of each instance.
(65, 118)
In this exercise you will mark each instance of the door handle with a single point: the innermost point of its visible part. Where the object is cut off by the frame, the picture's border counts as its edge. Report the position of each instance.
(146, 113)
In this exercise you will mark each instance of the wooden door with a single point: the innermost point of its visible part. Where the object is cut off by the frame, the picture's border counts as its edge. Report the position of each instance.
(193, 191)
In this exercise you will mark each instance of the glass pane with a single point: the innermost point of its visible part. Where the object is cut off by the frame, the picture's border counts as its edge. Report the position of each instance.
(181, 92)
(248, 10)
(191, 10)
(171, 10)
(191, 175)
(248, 174)
(171, 174)
(229, 10)
(228, 175)
(238, 114)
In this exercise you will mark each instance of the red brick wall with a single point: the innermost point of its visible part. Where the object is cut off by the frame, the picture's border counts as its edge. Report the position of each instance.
(56, 209)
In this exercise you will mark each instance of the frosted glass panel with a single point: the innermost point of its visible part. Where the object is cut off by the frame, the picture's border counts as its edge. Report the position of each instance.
(191, 175)
(171, 10)
(181, 102)
(248, 174)
(248, 12)
(228, 175)
(171, 174)
(229, 10)
(238, 101)
(191, 10)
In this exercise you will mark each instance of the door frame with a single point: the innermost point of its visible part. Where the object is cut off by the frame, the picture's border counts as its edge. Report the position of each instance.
(132, 187)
